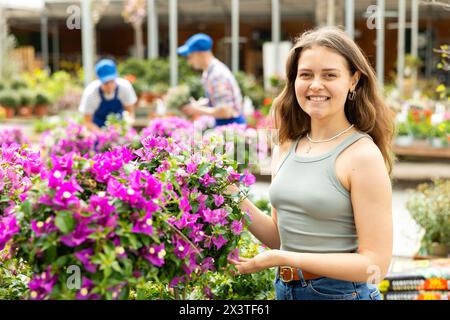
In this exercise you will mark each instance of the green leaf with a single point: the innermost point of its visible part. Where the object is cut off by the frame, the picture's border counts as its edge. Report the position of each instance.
(134, 242)
(26, 208)
(116, 266)
(203, 168)
(64, 221)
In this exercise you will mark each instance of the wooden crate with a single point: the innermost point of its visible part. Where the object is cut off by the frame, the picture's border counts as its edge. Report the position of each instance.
(25, 58)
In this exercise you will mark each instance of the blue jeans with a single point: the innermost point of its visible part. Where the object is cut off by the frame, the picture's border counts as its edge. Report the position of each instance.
(325, 289)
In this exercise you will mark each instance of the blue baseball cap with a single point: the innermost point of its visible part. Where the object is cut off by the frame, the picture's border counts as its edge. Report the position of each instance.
(198, 42)
(106, 70)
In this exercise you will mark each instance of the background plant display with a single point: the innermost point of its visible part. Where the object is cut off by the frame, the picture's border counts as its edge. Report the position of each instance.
(429, 206)
(10, 136)
(69, 135)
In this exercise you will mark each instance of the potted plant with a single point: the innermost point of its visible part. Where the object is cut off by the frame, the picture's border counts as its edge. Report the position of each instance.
(438, 134)
(10, 101)
(27, 98)
(41, 103)
(430, 208)
(404, 136)
(18, 83)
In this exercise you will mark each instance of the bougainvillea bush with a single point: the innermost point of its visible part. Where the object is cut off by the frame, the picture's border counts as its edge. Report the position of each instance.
(18, 167)
(125, 217)
(14, 135)
(73, 136)
(171, 127)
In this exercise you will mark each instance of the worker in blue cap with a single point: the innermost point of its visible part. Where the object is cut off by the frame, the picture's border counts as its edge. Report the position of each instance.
(106, 95)
(224, 98)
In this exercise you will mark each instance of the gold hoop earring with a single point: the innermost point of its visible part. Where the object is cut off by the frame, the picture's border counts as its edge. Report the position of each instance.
(352, 95)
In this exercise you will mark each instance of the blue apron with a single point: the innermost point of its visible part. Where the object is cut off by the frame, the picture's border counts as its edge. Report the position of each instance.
(107, 107)
(239, 120)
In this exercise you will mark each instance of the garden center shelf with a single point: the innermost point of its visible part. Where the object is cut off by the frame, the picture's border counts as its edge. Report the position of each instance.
(421, 150)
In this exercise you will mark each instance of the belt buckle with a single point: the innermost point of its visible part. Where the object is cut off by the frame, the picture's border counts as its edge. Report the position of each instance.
(282, 273)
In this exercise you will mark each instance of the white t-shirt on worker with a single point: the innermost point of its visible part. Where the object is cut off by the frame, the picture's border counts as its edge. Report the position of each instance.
(90, 101)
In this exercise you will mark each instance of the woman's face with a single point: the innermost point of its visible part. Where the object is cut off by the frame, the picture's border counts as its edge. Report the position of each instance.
(323, 82)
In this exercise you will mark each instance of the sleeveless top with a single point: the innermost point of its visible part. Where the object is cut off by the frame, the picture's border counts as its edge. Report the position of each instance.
(315, 213)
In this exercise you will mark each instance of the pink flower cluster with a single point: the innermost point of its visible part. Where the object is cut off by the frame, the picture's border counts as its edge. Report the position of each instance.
(13, 136)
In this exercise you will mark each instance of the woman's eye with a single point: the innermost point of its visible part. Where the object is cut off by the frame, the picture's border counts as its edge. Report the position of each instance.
(304, 75)
(330, 75)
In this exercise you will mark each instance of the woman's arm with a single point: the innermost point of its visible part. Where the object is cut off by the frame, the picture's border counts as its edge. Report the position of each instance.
(263, 227)
(371, 197)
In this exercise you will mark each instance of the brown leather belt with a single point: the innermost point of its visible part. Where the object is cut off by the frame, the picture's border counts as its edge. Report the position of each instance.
(288, 274)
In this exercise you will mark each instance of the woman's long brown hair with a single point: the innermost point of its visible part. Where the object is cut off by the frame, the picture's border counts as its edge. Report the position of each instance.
(368, 111)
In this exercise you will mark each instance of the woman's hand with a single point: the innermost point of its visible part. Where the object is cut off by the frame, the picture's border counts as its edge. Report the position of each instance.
(232, 189)
(262, 261)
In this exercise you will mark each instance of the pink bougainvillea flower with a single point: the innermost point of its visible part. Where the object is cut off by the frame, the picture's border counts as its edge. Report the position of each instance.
(155, 254)
(248, 178)
(85, 292)
(207, 180)
(77, 236)
(219, 241)
(236, 227)
(8, 228)
(181, 248)
(144, 225)
(84, 256)
(42, 285)
(43, 227)
(218, 200)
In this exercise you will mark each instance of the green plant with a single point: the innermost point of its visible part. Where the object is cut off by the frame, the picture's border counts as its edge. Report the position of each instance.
(14, 277)
(18, 83)
(159, 88)
(251, 88)
(27, 97)
(9, 98)
(177, 97)
(195, 87)
(421, 130)
(429, 206)
(403, 129)
(42, 99)
(444, 51)
(224, 286)
(411, 63)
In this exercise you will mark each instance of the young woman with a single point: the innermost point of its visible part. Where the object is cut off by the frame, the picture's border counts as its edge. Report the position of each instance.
(331, 225)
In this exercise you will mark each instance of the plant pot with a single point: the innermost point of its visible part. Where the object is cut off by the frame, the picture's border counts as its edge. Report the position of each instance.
(438, 249)
(9, 112)
(41, 110)
(25, 111)
(437, 143)
(2, 113)
(404, 141)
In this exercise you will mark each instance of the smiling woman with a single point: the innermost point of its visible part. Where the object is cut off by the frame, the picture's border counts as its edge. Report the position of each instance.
(331, 225)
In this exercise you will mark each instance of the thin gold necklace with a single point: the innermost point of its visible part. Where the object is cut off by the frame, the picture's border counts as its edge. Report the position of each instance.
(325, 140)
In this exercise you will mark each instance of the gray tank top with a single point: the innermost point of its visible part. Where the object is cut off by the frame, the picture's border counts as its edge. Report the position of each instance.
(315, 213)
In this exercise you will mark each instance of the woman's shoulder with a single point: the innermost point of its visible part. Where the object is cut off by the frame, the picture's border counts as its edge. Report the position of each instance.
(283, 147)
(364, 151)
